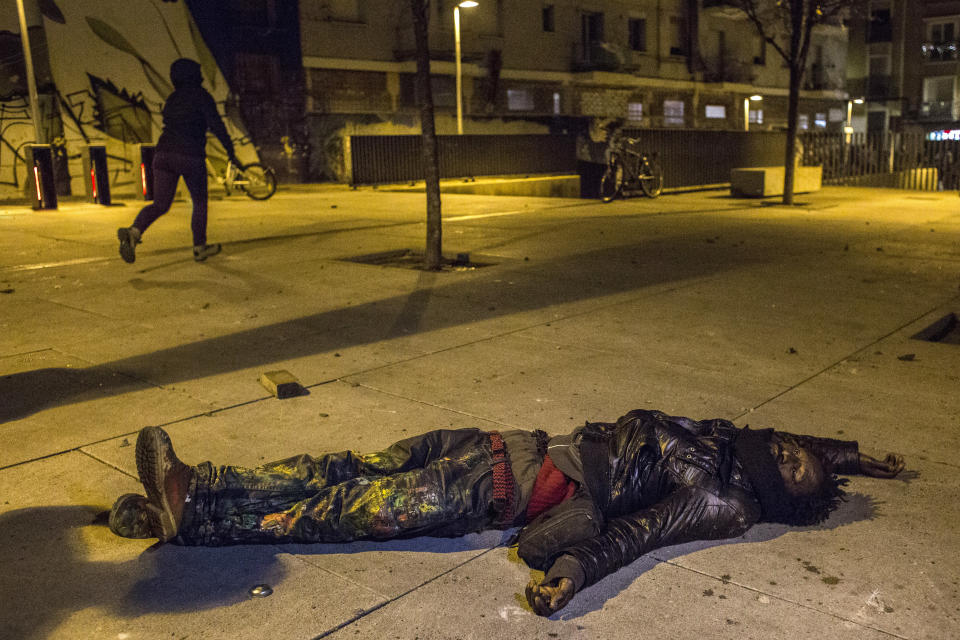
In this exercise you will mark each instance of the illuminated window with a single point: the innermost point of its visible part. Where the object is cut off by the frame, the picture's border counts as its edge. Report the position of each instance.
(634, 111)
(756, 116)
(820, 121)
(803, 121)
(717, 111)
(673, 112)
(519, 100)
(556, 103)
(837, 115)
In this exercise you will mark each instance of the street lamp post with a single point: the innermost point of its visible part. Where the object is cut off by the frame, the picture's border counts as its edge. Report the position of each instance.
(31, 80)
(466, 4)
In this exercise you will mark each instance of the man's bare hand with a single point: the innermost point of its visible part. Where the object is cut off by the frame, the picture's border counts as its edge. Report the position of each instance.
(547, 599)
(889, 467)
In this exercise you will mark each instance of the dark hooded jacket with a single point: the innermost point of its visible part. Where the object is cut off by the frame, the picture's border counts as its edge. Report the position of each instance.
(652, 480)
(189, 112)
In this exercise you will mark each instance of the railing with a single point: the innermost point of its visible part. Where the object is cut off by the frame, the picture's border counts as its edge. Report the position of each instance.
(940, 51)
(895, 160)
(938, 110)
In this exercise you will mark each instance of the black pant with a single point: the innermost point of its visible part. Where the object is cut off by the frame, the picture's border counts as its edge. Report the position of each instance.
(167, 169)
(439, 484)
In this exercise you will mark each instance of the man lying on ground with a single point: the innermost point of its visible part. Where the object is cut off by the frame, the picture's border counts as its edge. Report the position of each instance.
(589, 502)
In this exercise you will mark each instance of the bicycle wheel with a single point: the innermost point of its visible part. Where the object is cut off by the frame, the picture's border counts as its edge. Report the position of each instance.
(612, 181)
(256, 180)
(651, 179)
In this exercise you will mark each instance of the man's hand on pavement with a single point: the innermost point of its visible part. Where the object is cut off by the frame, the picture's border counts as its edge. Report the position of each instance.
(889, 467)
(547, 599)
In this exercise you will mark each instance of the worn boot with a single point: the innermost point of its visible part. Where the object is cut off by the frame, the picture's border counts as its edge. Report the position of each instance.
(202, 252)
(166, 479)
(129, 238)
(132, 516)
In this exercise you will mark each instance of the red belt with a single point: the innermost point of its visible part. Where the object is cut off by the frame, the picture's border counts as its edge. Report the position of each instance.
(502, 480)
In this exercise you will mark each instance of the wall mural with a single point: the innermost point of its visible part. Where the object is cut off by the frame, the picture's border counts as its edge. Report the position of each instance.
(102, 77)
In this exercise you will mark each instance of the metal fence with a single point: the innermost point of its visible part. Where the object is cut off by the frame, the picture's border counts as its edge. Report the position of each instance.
(896, 160)
(385, 159)
(692, 157)
(689, 157)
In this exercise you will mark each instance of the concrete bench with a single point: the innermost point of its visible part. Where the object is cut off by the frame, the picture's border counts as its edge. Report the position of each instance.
(759, 182)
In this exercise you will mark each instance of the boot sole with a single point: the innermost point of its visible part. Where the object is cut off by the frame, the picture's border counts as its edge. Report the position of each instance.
(150, 443)
(127, 251)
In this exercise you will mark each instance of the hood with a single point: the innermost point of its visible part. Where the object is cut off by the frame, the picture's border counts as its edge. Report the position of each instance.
(185, 73)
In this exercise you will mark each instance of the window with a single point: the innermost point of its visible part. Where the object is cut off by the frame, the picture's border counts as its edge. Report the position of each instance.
(547, 15)
(879, 29)
(673, 112)
(342, 10)
(635, 111)
(942, 32)
(638, 34)
(837, 115)
(756, 116)
(591, 28)
(717, 111)
(519, 100)
(556, 103)
(803, 121)
(678, 36)
(761, 57)
(820, 121)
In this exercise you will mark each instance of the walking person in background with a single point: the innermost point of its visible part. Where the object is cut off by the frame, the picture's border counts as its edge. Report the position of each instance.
(188, 114)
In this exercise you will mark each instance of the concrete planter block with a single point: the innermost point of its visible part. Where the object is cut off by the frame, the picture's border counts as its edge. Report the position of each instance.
(759, 182)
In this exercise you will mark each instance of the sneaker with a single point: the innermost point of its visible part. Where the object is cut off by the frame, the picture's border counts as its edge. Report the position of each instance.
(129, 238)
(166, 479)
(132, 516)
(203, 252)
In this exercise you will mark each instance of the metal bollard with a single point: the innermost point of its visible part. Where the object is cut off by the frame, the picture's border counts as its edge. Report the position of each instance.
(146, 170)
(40, 179)
(95, 174)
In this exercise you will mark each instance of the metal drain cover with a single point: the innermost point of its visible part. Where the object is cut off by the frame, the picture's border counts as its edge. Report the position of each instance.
(946, 330)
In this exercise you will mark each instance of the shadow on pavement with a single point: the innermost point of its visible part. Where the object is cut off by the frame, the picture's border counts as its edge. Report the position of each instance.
(857, 507)
(433, 305)
(56, 561)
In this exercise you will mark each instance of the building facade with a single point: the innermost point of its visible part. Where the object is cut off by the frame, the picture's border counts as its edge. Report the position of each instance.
(539, 66)
(904, 63)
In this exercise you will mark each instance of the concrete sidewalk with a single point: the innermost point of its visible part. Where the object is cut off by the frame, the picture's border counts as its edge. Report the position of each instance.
(696, 304)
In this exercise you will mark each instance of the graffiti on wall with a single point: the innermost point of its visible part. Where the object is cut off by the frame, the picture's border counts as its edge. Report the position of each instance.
(101, 79)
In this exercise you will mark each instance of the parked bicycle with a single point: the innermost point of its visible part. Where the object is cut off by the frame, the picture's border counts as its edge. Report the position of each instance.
(629, 169)
(257, 181)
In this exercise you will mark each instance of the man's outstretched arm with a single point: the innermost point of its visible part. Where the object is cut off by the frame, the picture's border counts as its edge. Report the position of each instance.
(688, 514)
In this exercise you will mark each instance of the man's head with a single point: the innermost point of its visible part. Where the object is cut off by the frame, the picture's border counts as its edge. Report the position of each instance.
(790, 482)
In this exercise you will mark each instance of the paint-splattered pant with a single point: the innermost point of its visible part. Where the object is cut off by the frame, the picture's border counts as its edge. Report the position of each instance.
(439, 483)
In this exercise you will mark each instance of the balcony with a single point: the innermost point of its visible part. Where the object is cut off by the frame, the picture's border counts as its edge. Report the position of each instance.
(939, 110)
(597, 56)
(722, 9)
(879, 88)
(940, 51)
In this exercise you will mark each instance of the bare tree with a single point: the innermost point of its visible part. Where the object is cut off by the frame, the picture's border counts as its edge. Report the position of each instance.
(420, 9)
(786, 25)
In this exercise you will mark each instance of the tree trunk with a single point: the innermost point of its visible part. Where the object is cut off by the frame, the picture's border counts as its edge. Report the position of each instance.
(431, 166)
(793, 108)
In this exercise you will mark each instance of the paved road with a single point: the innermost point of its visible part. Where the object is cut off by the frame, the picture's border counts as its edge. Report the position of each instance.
(697, 304)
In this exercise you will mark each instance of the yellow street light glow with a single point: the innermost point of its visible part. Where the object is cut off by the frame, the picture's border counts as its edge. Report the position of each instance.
(756, 97)
(858, 101)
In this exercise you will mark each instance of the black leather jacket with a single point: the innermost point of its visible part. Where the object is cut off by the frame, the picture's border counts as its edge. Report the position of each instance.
(667, 480)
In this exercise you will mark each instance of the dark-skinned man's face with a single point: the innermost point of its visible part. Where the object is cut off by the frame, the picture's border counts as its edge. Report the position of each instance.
(801, 471)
